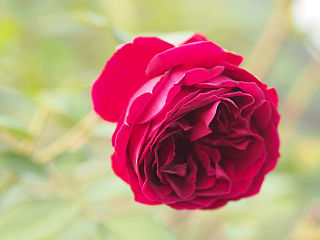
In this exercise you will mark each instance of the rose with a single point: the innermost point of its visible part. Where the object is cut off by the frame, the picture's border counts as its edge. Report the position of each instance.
(194, 130)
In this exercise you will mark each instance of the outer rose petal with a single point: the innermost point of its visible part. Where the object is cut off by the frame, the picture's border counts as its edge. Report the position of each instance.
(119, 161)
(198, 54)
(123, 74)
(139, 196)
(240, 74)
(121, 172)
(272, 93)
(195, 38)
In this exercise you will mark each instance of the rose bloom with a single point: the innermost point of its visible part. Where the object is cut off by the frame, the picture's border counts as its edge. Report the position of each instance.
(194, 130)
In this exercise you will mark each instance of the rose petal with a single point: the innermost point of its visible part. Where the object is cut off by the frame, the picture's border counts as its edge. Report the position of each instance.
(254, 188)
(240, 74)
(139, 196)
(120, 78)
(203, 118)
(203, 201)
(198, 54)
(224, 81)
(272, 143)
(184, 187)
(197, 75)
(249, 172)
(160, 98)
(272, 93)
(205, 158)
(221, 187)
(262, 116)
(239, 188)
(184, 205)
(136, 141)
(119, 159)
(120, 171)
(217, 204)
(195, 38)
(162, 120)
(178, 169)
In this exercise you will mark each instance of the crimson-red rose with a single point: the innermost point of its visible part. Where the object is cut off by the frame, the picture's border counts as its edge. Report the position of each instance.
(194, 130)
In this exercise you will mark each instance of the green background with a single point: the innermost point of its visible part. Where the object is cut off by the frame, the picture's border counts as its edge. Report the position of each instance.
(55, 176)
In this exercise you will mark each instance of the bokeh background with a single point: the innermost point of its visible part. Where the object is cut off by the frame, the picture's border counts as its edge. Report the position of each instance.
(56, 181)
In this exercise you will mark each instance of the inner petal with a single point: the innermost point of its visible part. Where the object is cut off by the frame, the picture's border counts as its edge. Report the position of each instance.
(202, 118)
(184, 186)
(178, 169)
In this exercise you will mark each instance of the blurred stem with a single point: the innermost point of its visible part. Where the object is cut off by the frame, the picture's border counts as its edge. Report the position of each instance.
(71, 140)
(35, 128)
(271, 39)
(67, 187)
(6, 180)
(299, 97)
(13, 142)
(38, 121)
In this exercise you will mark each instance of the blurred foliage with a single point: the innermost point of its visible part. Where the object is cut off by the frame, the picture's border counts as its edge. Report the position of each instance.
(55, 176)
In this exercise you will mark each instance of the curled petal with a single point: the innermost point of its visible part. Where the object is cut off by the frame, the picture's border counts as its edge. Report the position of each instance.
(198, 54)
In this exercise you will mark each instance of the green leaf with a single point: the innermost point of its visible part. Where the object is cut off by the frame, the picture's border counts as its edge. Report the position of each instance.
(13, 98)
(14, 127)
(138, 226)
(37, 219)
(67, 162)
(106, 189)
(20, 164)
(85, 229)
(72, 104)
